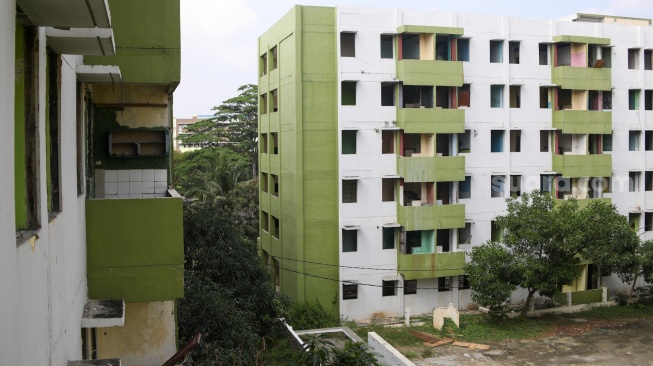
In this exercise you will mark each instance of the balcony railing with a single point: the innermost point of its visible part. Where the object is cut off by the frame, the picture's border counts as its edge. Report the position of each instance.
(420, 266)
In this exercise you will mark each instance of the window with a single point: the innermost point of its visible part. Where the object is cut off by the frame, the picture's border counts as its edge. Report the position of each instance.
(274, 96)
(515, 141)
(648, 65)
(444, 96)
(633, 58)
(463, 282)
(633, 140)
(389, 288)
(464, 142)
(275, 142)
(465, 234)
(263, 65)
(263, 107)
(544, 97)
(411, 44)
(513, 52)
(607, 100)
(515, 96)
(273, 53)
(348, 142)
(444, 284)
(648, 100)
(53, 138)
(544, 53)
(633, 181)
(275, 185)
(264, 182)
(463, 49)
(496, 143)
(648, 140)
(607, 142)
(417, 96)
(633, 221)
(544, 141)
(263, 138)
(546, 183)
(464, 96)
(386, 46)
(347, 44)
(465, 188)
(348, 93)
(410, 287)
(388, 189)
(496, 232)
(349, 291)
(606, 55)
(349, 190)
(648, 221)
(497, 185)
(515, 185)
(496, 51)
(275, 232)
(387, 94)
(496, 96)
(388, 143)
(349, 240)
(648, 181)
(265, 221)
(633, 99)
(389, 237)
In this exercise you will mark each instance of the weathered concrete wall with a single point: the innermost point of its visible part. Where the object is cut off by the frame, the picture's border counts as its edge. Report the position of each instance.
(385, 353)
(148, 337)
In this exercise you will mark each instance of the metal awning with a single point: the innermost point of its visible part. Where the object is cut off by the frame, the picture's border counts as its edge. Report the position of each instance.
(82, 41)
(67, 14)
(98, 73)
(392, 224)
(350, 177)
(351, 227)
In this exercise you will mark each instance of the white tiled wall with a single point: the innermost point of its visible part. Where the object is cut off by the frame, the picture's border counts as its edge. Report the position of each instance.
(132, 183)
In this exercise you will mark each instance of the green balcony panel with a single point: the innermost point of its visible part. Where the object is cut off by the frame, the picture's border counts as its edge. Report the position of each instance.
(431, 120)
(456, 31)
(431, 217)
(582, 78)
(420, 266)
(430, 72)
(582, 203)
(577, 166)
(582, 39)
(431, 169)
(135, 249)
(583, 122)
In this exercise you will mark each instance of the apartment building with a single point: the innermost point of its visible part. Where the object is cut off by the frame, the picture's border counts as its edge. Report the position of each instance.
(97, 260)
(181, 128)
(390, 139)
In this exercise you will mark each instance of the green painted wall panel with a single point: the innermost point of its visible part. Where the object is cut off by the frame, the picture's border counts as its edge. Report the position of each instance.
(431, 217)
(582, 39)
(430, 29)
(581, 297)
(577, 166)
(20, 175)
(431, 120)
(582, 203)
(583, 122)
(143, 66)
(135, 236)
(431, 265)
(431, 169)
(430, 72)
(582, 78)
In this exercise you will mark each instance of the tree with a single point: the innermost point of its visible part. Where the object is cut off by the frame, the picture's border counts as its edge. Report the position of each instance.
(243, 201)
(641, 264)
(234, 124)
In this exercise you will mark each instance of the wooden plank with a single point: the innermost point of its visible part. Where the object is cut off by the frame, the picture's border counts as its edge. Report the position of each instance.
(471, 345)
(425, 337)
(439, 343)
(183, 352)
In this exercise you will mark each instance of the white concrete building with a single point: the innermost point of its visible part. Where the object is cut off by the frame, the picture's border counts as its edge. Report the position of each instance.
(419, 124)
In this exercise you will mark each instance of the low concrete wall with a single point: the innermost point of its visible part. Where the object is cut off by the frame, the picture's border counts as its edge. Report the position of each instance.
(581, 297)
(385, 353)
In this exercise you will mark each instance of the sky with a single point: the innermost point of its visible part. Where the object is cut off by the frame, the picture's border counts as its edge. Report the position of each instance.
(219, 37)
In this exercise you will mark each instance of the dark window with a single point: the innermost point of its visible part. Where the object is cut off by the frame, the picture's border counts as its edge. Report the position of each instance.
(465, 188)
(388, 143)
(347, 44)
(463, 282)
(648, 221)
(513, 56)
(496, 51)
(648, 140)
(515, 141)
(497, 185)
(544, 97)
(633, 99)
(546, 182)
(444, 284)
(273, 53)
(633, 140)
(349, 142)
(52, 125)
(607, 142)
(496, 96)
(386, 46)
(265, 225)
(496, 232)
(388, 189)
(515, 96)
(633, 58)
(349, 240)
(496, 140)
(389, 288)
(648, 181)
(465, 234)
(275, 185)
(464, 142)
(276, 228)
(80, 139)
(544, 141)
(410, 287)
(515, 185)
(264, 182)
(349, 191)
(647, 60)
(349, 291)
(544, 53)
(348, 96)
(275, 142)
(387, 94)
(389, 237)
(463, 49)
(263, 65)
(263, 104)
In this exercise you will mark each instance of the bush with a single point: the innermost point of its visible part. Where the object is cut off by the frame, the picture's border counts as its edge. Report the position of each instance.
(311, 315)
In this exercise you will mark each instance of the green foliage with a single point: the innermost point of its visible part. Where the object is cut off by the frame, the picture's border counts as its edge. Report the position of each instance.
(229, 298)
(209, 173)
(491, 274)
(281, 354)
(449, 328)
(354, 354)
(311, 315)
(234, 124)
(243, 201)
(318, 351)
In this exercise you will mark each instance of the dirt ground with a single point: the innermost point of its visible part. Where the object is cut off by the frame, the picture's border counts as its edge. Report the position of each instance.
(581, 342)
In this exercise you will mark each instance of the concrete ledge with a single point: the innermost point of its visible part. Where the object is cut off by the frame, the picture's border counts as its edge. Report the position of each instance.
(105, 362)
(103, 314)
(385, 353)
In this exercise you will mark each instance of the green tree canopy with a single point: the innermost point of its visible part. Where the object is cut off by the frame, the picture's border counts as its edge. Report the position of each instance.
(234, 124)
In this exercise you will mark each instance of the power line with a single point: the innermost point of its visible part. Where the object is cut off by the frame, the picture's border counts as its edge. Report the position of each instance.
(367, 268)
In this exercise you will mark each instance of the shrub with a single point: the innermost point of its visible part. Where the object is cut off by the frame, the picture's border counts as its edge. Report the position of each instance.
(311, 315)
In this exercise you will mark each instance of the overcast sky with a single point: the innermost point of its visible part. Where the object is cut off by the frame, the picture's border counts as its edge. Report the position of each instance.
(219, 37)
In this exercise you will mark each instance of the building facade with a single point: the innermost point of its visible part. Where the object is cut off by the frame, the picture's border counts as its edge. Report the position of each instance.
(390, 139)
(97, 260)
(181, 128)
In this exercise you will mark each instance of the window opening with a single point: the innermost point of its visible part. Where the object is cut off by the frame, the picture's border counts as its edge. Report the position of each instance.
(444, 284)
(515, 141)
(275, 142)
(273, 52)
(515, 185)
(463, 49)
(515, 96)
(496, 51)
(513, 55)
(633, 58)
(496, 95)
(417, 96)
(348, 90)
(544, 141)
(496, 140)
(389, 288)
(388, 143)
(349, 191)
(633, 99)
(465, 142)
(349, 291)
(389, 237)
(410, 287)
(387, 46)
(388, 189)
(544, 53)
(387, 94)
(348, 142)
(465, 234)
(465, 188)
(633, 140)
(347, 44)
(497, 185)
(464, 96)
(349, 240)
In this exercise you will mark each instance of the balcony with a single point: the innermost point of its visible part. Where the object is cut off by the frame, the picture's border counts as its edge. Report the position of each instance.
(431, 120)
(420, 266)
(582, 203)
(431, 169)
(582, 78)
(583, 122)
(135, 248)
(577, 166)
(431, 217)
(430, 72)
